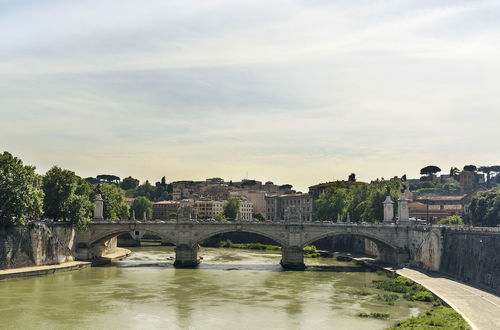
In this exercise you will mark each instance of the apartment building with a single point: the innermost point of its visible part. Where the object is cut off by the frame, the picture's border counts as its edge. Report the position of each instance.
(277, 204)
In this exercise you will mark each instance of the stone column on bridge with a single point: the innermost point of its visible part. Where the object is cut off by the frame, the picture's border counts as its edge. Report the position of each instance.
(98, 208)
(388, 210)
(186, 256)
(403, 211)
(292, 258)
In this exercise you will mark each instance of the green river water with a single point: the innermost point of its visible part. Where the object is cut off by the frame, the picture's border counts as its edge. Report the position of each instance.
(231, 289)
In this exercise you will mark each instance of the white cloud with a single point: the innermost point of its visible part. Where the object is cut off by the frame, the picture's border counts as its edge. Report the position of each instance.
(294, 91)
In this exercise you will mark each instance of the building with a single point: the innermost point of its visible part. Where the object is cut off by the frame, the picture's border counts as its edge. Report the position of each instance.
(277, 204)
(257, 197)
(246, 210)
(207, 209)
(165, 210)
(467, 181)
(435, 208)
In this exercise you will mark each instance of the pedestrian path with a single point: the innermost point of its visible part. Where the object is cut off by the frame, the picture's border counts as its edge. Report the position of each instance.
(64, 267)
(479, 308)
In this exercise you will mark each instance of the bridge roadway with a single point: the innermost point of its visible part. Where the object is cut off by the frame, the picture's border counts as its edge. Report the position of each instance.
(391, 240)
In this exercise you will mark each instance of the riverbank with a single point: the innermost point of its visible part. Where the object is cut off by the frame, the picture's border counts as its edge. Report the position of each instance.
(480, 309)
(119, 254)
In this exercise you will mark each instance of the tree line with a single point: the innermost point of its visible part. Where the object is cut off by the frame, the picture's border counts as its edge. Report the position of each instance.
(358, 200)
(62, 195)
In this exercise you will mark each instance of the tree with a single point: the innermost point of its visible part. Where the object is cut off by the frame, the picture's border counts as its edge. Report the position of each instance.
(79, 211)
(67, 197)
(470, 168)
(146, 190)
(160, 191)
(488, 170)
(142, 205)
(430, 170)
(21, 195)
(363, 202)
(58, 186)
(485, 208)
(332, 203)
(451, 220)
(258, 216)
(115, 207)
(231, 208)
(219, 217)
(129, 183)
(352, 177)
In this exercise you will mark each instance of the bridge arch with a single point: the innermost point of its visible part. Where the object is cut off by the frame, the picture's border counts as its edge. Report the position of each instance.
(374, 238)
(387, 251)
(106, 236)
(280, 240)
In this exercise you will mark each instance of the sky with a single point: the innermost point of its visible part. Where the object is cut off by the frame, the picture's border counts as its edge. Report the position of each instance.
(297, 92)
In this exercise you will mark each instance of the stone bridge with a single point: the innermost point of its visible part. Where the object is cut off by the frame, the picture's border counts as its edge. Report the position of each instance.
(392, 240)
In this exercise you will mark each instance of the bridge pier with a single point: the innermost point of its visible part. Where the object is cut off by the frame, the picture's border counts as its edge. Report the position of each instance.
(292, 258)
(186, 256)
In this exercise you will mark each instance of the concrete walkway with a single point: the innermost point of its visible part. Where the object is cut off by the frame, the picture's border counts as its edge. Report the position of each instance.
(479, 308)
(64, 267)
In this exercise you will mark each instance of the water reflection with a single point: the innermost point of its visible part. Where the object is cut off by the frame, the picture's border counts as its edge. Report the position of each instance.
(232, 289)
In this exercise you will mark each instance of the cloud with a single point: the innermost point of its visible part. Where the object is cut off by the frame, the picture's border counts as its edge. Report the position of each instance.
(298, 90)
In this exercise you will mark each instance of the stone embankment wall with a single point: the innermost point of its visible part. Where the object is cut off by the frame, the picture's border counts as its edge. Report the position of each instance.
(36, 244)
(470, 256)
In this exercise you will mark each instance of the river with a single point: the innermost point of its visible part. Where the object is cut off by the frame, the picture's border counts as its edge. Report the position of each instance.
(231, 289)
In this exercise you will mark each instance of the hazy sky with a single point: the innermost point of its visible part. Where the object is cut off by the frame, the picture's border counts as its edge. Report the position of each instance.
(295, 92)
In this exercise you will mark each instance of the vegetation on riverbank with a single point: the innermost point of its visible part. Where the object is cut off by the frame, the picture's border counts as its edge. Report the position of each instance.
(411, 291)
(380, 316)
(440, 317)
(310, 251)
(250, 246)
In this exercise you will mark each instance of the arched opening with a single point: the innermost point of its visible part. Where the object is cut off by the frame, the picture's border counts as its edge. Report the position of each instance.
(231, 247)
(108, 242)
(147, 239)
(337, 245)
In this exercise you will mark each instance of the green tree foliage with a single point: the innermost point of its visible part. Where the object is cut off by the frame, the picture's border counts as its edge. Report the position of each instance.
(129, 183)
(333, 202)
(67, 197)
(231, 208)
(451, 220)
(21, 195)
(258, 216)
(161, 192)
(58, 186)
(220, 217)
(485, 208)
(488, 170)
(145, 190)
(430, 170)
(79, 211)
(364, 202)
(470, 168)
(115, 207)
(434, 185)
(140, 205)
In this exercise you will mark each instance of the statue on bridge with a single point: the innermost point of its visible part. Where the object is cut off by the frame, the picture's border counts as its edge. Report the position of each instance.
(184, 213)
(293, 214)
